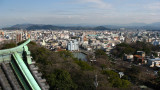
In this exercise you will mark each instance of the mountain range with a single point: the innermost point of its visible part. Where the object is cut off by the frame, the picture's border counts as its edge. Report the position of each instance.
(152, 26)
(52, 27)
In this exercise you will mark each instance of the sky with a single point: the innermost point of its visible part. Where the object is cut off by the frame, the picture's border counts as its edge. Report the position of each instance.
(89, 12)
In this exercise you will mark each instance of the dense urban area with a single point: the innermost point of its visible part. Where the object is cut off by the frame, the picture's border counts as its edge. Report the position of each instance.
(89, 59)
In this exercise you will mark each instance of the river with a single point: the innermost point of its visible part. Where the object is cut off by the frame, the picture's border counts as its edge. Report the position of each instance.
(80, 56)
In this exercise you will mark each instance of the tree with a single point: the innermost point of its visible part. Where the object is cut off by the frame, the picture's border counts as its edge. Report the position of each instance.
(10, 45)
(19, 43)
(158, 73)
(125, 83)
(61, 80)
(114, 79)
(65, 54)
(100, 53)
(84, 65)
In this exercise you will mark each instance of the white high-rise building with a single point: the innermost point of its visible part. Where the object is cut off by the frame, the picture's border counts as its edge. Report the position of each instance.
(73, 45)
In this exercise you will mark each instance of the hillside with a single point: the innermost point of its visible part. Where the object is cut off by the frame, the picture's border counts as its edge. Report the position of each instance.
(52, 27)
(152, 26)
(65, 72)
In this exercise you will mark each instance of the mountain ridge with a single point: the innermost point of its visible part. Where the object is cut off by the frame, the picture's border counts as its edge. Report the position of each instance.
(152, 26)
(52, 27)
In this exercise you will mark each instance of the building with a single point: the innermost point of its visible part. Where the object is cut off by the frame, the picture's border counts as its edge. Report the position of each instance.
(154, 62)
(128, 58)
(18, 71)
(43, 43)
(156, 42)
(138, 59)
(18, 37)
(141, 53)
(73, 45)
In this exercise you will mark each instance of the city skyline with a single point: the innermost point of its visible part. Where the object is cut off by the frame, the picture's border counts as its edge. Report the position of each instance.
(93, 12)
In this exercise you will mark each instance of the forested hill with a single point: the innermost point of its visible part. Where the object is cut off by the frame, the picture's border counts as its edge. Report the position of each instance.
(65, 72)
(131, 26)
(52, 27)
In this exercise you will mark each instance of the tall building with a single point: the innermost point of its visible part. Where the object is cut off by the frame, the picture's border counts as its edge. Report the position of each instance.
(1, 36)
(73, 45)
(18, 37)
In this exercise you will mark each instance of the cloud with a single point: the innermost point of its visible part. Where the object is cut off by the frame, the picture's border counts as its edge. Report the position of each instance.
(97, 3)
(153, 6)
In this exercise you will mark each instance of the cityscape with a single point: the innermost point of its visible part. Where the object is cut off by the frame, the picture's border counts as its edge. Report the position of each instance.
(76, 45)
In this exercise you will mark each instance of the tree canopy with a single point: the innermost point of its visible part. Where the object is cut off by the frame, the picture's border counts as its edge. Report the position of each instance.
(124, 48)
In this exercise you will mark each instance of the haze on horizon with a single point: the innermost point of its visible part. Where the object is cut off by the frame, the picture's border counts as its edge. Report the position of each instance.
(95, 12)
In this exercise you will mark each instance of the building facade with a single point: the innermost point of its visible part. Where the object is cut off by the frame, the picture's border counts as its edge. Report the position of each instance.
(73, 45)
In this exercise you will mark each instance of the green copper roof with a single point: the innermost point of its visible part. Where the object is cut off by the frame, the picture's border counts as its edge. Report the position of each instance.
(21, 56)
(15, 49)
(27, 74)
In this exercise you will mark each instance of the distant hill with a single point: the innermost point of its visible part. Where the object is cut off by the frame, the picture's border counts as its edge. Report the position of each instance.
(156, 24)
(132, 26)
(52, 27)
(152, 26)
(18, 27)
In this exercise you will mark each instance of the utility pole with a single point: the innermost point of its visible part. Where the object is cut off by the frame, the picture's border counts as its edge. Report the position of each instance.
(96, 82)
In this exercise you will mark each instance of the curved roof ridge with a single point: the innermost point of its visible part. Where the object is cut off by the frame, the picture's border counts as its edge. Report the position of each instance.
(11, 50)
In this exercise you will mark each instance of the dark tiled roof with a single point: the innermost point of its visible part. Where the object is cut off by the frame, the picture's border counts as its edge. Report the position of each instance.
(17, 70)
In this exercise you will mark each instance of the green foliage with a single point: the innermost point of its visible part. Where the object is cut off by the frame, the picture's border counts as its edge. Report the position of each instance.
(110, 73)
(10, 45)
(134, 70)
(125, 77)
(123, 48)
(154, 83)
(19, 43)
(125, 83)
(103, 66)
(74, 37)
(64, 72)
(123, 45)
(142, 46)
(40, 55)
(133, 73)
(51, 62)
(31, 42)
(84, 65)
(132, 48)
(84, 79)
(155, 54)
(99, 53)
(129, 50)
(61, 80)
(114, 79)
(158, 73)
(156, 48)
(65, 54)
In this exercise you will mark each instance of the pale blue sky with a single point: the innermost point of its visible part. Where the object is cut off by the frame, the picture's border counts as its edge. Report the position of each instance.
(79, 11)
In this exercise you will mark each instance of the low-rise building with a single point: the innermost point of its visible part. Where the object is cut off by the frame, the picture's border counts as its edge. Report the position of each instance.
(128, 57)
(138, 59)
(141, 53)
(154, 62)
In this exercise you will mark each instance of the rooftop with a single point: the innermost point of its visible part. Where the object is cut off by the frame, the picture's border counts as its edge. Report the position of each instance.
(17, 70)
